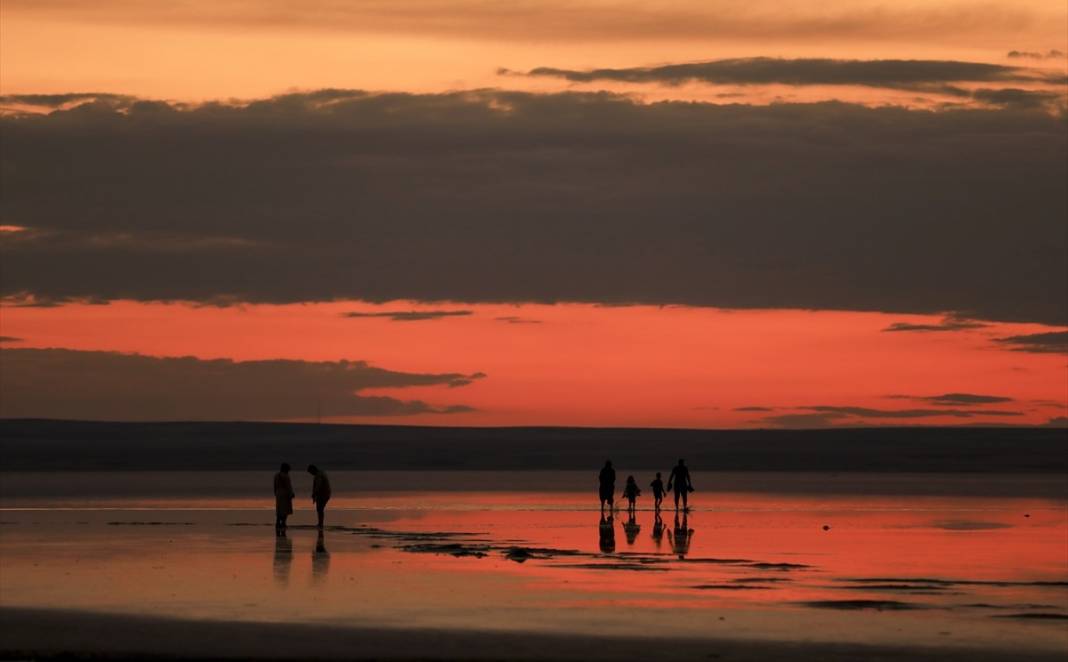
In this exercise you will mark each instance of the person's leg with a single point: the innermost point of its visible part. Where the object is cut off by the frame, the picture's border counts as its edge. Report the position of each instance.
(320, 510)
(685, 505)
(676, 499)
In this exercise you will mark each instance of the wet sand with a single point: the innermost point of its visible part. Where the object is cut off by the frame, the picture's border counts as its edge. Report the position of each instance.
(172, 568)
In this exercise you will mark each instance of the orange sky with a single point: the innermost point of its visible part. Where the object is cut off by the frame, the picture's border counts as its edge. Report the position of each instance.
(578, 364)
(220, 49)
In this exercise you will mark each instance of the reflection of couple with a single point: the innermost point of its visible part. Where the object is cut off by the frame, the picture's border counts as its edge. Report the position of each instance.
(283, 559)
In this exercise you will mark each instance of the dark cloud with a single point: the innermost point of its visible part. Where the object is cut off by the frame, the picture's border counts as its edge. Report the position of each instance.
(1057, 422)
(10, 339)
(61, 100)
(948, 323)
(1053, 342)
(804, 421)
(89, 385)
(823, 416)
(901, 74)
(1035, 55)
(1018, 98)
(954, 399)
(494, 196)
(754, 408)
(410, 315)
(865, 412)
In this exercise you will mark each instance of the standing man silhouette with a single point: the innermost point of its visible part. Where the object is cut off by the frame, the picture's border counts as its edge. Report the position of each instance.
(607, 478)
(320, 492)
(680, 477)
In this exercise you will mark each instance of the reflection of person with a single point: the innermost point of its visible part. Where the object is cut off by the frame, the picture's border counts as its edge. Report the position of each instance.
(658, 530)
(631, 528)
(658, 491)
(283, 499)
(607, 531)
(320, 491)
(631, 492)
(682, 536)
(607, 478)
(283, 558)
(680, 477)
(320, 559)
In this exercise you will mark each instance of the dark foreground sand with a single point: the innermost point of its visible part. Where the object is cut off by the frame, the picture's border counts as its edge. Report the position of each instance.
(56, 634)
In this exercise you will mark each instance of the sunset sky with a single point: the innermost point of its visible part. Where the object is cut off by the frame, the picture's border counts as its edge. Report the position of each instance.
(601, 213)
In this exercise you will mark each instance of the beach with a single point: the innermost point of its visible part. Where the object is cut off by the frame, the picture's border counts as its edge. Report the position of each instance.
(522, 566)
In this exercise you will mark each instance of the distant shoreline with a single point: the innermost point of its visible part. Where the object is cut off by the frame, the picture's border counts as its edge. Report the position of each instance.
(44, 634)
(52, 445)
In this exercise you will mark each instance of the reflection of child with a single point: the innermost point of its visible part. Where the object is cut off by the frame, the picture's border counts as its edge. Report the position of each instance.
(658, 491)
(631, 492)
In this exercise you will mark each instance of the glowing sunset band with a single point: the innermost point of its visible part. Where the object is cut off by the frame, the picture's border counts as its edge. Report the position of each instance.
(580, 364)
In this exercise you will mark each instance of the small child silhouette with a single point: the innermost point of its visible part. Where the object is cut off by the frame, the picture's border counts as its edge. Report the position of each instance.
(631, 492)
(658, 492)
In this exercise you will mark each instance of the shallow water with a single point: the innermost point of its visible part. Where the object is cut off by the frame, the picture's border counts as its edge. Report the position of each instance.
(768, 559)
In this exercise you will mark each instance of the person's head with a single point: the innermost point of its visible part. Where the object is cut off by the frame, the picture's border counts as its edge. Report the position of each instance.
(284, 468)
(312, 469)
(630, 479)
(682, 462)
(608, 463)
(658, 474)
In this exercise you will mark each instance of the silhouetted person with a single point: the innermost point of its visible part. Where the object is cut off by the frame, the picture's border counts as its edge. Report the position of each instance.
(630, 493)
(608, 484)
(682, 537)
(283, 499)
(680, 478)
(283, 558)
(658, 492)
(658, 530)
(631, 528)
(607, 531)
(320, 491)
(320, 559)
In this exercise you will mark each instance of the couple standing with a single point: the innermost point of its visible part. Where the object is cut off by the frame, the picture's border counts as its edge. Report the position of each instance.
(678, 482)
(284, 495)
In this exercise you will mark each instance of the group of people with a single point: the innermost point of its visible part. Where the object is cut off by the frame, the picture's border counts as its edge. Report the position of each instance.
(284, 495)
(678, 483)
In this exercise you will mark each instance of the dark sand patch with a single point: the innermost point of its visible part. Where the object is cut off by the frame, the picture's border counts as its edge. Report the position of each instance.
(732, 587)
(450, 549)
(878, 605)
(1038, 616)
(639, 567)
(136, 523)
(523, 554)
(948, 582)
(969, 525)
(778, 566)
(987, 605)
(915, 589)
